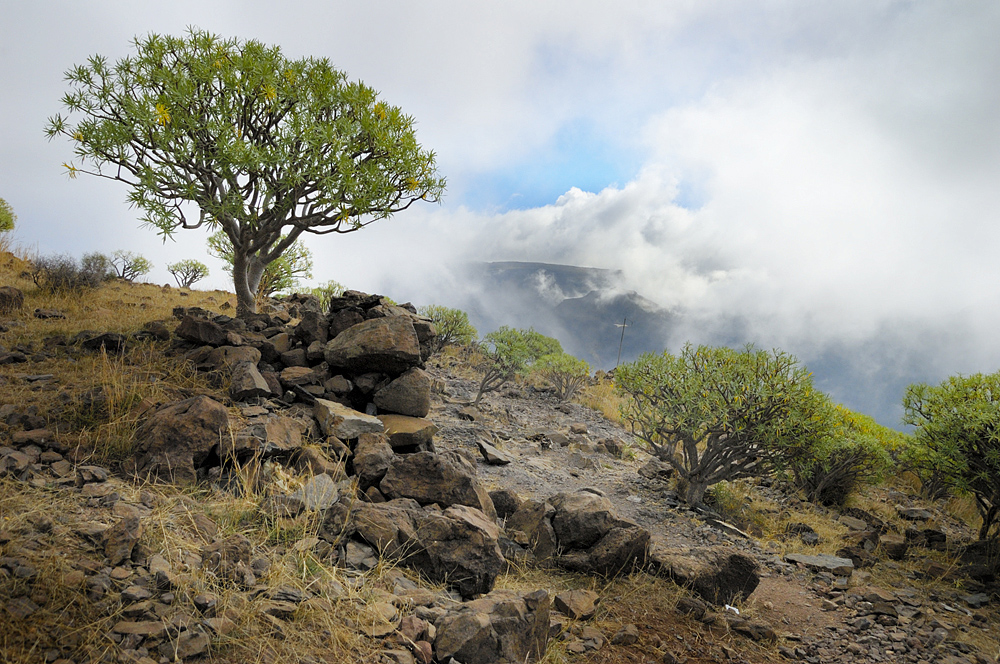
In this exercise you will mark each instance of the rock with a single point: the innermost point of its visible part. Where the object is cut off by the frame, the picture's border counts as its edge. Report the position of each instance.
(628, 635)
(534, 519)
(120, 539)
(492, 455)
(621, 549)
(431, 478)
(202, 332)
(48, 314)
(581, 518)
(90, 474)
(226, 358)
(247, 383)
(110, 342)
(229, 559)
(178, 438)
(410, 394)
(11, 300)
(318, 493)
(718, 574)
(894, 547)
(504, 626)
(458, 546)
(190, 643)
(409, 432)
(388, 345)
(313, 327)
(914, 513)
(823, 562)
(577, 604)
(345, 423)
(265, 437)
(505, 501)
(372, 457)
(21, 607)
(300, 375)
(853, 523)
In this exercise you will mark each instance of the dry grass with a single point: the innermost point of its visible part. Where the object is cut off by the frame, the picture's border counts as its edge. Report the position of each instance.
(602, 397)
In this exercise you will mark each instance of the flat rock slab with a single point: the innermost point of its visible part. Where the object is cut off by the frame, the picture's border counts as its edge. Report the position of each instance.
(345, 423)
(577, 604)
(823, 562)
(407, 431)
(492, 455)
(914, 513)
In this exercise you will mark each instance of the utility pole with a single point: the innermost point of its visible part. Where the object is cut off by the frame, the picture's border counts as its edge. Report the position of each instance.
(623, 325)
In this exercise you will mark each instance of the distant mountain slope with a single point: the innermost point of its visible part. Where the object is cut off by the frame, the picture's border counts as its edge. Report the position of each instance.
(582, 307)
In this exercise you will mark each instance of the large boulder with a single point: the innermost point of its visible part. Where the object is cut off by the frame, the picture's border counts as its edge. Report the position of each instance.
(387, 345)
(247, 382)
(265, 436)
(458, 546)
(503, 626)
(226, 358)
(581, 518)
(431, 478)
(717, 573)
(345, 423)
(202, 331)
(619, 550)
(410, 394)
(372, 457)
(531, 526)
(413, 433)
(179, 437)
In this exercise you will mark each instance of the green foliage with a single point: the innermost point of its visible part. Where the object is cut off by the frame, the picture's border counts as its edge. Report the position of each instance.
(540, 345)
(851, 449)
(505, 354)
(719, 414)
(62, 273)
(283, 274)
(188, 271)
(565, 372)
(7, 217)
(453, 326)
(129, 265)
(258, 142)
(327, 291)
(958, 437)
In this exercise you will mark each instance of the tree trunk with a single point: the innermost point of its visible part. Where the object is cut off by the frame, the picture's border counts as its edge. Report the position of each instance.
(695, 491)
(246, 301)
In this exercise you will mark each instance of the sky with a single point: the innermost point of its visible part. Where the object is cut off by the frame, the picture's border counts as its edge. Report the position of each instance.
(826, 174)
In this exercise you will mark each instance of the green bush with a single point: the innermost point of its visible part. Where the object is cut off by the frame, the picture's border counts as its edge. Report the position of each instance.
(7, 217)
(453, 326)
(720, 414)
(957, 438)
(854, 449)
(326, 292)
(565, 372)
(506, 353)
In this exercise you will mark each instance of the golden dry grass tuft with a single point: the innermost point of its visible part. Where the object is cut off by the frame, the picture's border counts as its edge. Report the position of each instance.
(602, 397)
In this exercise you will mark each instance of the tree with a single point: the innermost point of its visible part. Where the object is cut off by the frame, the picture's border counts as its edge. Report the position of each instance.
(187, 272)
(129, 265)
(281, 274)
(452, 325)
(958, 433)
(506, 353)
(718, 414)
(233, 135)
(326, 292)
(7, 217)
(565, 372)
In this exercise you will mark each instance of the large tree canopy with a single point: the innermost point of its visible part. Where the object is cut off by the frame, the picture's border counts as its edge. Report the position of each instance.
(234, 135)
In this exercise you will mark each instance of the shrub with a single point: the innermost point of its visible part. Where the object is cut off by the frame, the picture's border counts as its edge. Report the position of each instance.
(719, 414)
(7, 217)
(327, 291)
(958, 437)
(129, 265)
(187, 272)
(453, 326)
(62, 273)
(565, 372)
